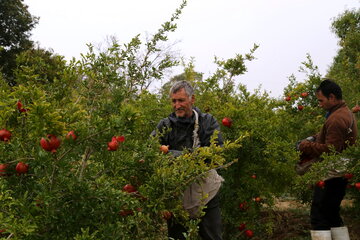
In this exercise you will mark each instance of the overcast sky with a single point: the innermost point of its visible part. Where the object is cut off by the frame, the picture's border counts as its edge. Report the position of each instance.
(286, 31)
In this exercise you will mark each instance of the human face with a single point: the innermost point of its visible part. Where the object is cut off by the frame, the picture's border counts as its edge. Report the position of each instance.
(182, 103)
(324, 102)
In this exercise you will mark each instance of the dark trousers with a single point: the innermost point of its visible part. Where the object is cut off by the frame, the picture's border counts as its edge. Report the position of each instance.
(325, 207)
(209, 226)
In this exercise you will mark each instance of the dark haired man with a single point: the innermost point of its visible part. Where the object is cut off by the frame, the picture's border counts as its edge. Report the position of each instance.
(338, 131)
(189, 129)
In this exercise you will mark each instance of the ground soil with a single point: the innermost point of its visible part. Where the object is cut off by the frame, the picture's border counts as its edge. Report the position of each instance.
(292, 220)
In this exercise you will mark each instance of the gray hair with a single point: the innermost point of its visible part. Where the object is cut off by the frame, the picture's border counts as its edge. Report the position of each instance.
(177, 86)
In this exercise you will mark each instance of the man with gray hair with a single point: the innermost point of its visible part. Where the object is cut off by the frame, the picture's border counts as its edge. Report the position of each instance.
(189, 128)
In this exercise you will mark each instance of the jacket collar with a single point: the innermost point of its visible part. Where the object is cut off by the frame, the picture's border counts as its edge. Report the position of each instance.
(334, 108)
(182, 120)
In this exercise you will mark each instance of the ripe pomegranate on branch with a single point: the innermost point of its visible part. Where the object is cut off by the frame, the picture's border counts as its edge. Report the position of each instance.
(51, 143)
(5, 135)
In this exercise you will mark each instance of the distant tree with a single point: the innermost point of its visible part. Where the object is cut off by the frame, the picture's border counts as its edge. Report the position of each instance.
(346, 65)
(15, 25)
(39, 66)
(189, 74)
(42, 68)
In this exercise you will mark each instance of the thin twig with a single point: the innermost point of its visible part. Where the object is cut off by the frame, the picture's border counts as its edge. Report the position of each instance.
(87, 154)
(53, 173)
(17, 160)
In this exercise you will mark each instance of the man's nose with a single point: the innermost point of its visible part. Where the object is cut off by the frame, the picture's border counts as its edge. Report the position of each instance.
(176, 104)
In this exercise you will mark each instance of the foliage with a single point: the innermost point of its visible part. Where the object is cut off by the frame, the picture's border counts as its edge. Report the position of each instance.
(77, 191)
(346, 163)
(16, 23)
(39, 65)
(346, 65)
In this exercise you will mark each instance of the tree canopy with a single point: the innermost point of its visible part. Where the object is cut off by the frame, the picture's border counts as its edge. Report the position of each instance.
(16, 24)
(346, 64)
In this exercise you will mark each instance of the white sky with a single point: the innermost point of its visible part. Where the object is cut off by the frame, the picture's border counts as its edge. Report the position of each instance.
(286, 31)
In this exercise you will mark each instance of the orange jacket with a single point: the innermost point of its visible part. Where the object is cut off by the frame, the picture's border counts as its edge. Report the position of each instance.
(335, 132)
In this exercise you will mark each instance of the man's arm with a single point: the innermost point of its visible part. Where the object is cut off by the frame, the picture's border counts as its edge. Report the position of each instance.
(220, 140)
(161, 128)
(209, 130)
(334, 137)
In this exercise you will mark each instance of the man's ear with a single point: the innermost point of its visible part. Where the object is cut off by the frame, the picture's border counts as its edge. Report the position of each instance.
(193, 99)
(332, 97)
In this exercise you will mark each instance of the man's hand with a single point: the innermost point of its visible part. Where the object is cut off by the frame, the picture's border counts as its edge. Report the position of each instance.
(308, 139)
(356, 109)
(164, 149)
